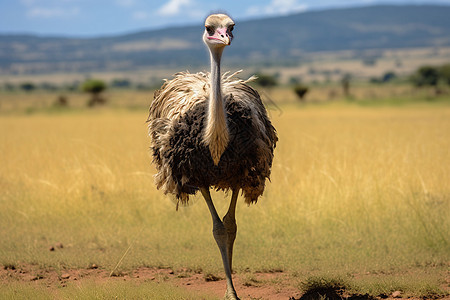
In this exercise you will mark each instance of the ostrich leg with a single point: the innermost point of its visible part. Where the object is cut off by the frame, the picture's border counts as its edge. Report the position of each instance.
(229, 221)
(220, 235)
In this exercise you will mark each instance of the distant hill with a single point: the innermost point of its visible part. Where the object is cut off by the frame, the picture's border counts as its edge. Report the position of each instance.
(278, 40)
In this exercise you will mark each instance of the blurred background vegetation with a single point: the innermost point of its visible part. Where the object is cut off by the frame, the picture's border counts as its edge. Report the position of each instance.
(361, 53)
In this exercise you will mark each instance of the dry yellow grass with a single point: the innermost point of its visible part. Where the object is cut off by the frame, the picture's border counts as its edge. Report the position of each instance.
(355, 191)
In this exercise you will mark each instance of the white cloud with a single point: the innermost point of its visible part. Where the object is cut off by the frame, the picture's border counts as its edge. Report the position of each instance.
(51, 12)
(174, 7)
(277, 7)
(188, 9)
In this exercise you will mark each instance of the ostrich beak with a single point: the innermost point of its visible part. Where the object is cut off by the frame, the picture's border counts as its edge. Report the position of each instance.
(222, 36)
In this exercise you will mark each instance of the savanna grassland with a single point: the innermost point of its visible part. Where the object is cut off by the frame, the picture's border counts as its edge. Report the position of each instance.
(359, 198)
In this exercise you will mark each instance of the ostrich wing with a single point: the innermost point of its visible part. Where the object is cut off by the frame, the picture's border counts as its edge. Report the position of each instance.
(179, 95)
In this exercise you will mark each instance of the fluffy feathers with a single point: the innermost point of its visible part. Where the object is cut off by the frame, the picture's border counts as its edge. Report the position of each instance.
(177, 121)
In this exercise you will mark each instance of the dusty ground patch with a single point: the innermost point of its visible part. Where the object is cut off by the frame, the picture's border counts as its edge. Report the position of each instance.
(276, 285)
(268, 285)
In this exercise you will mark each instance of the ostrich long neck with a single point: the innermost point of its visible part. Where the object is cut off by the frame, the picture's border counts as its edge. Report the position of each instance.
(216, 131)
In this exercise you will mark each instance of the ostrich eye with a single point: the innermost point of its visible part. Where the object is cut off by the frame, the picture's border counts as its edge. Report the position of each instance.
(231, 28)
(210, 30)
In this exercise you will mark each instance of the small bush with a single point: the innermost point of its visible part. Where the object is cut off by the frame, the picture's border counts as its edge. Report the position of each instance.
(94, 87)
(301, 90)
(426, 76)
(265, 80)
(28, 86)
(317, 287)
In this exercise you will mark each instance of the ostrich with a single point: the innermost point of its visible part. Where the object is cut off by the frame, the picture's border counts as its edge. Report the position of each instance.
(212, 130)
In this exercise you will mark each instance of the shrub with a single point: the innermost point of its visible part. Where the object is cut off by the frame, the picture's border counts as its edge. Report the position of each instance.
(28, 86)
(265, 80)
(426, 76)
(301, 90)
(94, 87)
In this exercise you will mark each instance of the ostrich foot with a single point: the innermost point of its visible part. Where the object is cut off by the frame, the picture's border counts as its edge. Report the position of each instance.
(231, 295)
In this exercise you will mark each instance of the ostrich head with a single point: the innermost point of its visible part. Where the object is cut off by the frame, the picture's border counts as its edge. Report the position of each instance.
(218, 28)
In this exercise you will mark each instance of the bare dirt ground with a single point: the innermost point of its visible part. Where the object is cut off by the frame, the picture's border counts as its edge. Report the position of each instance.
(255, 286)
(267, 286)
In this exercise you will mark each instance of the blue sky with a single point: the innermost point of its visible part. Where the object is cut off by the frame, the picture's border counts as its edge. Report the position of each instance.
(87, 18)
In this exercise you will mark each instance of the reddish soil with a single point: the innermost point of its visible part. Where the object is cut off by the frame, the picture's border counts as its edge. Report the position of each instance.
(276, 285)
(250, 286)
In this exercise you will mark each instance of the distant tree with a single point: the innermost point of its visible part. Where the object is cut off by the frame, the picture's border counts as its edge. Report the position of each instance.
(94, 87)
(301, 90)
(72, 87)
(345, 81)
(121, 83)
(266, 80)
(426, 76)
(294, 80)
(388, 76)
(28, 86)
(444, 73)
(48, 86)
